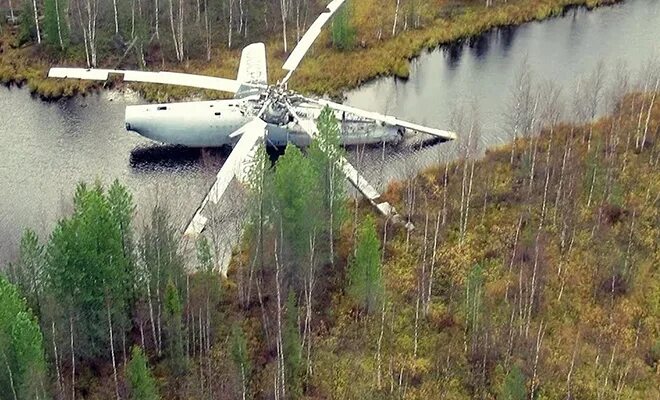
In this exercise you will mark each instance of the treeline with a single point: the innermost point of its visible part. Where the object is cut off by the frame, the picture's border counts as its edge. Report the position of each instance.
(140, 31)
(100, 298)
(145, 32)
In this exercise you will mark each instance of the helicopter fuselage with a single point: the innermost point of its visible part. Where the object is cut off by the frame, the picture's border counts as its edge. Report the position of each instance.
(210, 124)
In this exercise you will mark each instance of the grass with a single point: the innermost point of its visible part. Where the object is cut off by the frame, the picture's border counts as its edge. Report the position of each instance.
(325, 70)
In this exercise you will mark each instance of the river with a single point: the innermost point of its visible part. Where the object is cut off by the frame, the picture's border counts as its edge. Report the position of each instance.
(49, 147)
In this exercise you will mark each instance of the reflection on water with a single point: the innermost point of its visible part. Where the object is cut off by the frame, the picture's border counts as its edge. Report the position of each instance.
(173, 158)
(48, 147)
(480, 73)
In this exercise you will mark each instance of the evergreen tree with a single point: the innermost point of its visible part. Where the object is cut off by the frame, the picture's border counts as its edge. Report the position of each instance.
(141, 383)
(513, 387)
(174, 330)
(365, 280)
(343, 31)
(239, 355)
(297, 200)
(88, 272)
(22, 363)
(204, 255)
(293, 368)
(27, 29)
(55, 24)
(325, 154)
(28, 272)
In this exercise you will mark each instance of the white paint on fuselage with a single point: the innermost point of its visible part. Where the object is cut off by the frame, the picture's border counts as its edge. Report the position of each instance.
(209, 124)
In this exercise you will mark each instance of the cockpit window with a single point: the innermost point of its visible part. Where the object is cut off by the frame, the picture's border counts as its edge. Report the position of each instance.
(162, 108)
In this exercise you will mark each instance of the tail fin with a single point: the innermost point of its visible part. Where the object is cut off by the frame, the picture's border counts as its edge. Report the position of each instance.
(252, 69)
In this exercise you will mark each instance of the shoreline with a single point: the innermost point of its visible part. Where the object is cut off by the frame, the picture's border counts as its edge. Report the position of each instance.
(391, 57)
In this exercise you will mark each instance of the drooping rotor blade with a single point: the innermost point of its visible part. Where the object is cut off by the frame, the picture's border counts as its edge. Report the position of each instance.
(250, 134)
(168, 78)
(360, 183)
(447, 135)
(308, 38)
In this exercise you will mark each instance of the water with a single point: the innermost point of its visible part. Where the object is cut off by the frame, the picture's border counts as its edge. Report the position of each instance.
(480, 73)
(49, 147)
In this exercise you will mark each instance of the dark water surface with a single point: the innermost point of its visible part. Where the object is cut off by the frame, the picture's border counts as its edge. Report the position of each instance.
(48, 147)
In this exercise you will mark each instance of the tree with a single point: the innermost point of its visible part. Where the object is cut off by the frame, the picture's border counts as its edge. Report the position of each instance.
(142, 385)
(513, 387)
(28, 272)
(160, 264)
(22, 363)
(204, 255)
(365, 280)
(55, 26)
(297, 200)
(343, 31)
(88, 273)
(240, 357)
(174, 330)
(325, 154)
(292, 350)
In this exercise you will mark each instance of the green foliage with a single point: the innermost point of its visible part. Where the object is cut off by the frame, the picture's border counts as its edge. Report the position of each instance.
(204, 255)
(513, 387)
(141, 383)
(56, 33)
(325, 153)
(21, 347)
(343, 31)
(28, 272)
(239, 354)
(297, 198)
(365, 279)
(293, 367)
(174, 330)
(88, 272)
(27, 30)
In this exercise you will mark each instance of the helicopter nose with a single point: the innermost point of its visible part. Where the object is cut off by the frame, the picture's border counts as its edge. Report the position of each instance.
(134, 118)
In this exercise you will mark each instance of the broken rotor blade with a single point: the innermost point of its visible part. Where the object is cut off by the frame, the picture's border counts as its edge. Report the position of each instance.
(351, 173)
(388, 119)
(167, 78)
(252, 133)
(308, 39)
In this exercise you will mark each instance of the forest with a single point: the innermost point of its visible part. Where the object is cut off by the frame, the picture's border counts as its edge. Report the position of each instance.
(367, 38)
(532, 273)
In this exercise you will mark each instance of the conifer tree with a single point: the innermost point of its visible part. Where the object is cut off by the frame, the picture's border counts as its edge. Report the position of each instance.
(141, 383)
(55, 25)
(88, 272)
(293, 367)
(343, 31)
(240, 357)
(325, 154)
(513, 387)
(174, 330)
(297, 199)
(365, 280)
(22, 363)
(28, 272)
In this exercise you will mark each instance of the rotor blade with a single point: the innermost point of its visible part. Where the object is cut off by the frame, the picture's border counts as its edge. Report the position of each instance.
(309, 37)
(251, 134)
(360, 183)
(447, 135)
(168, 78)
